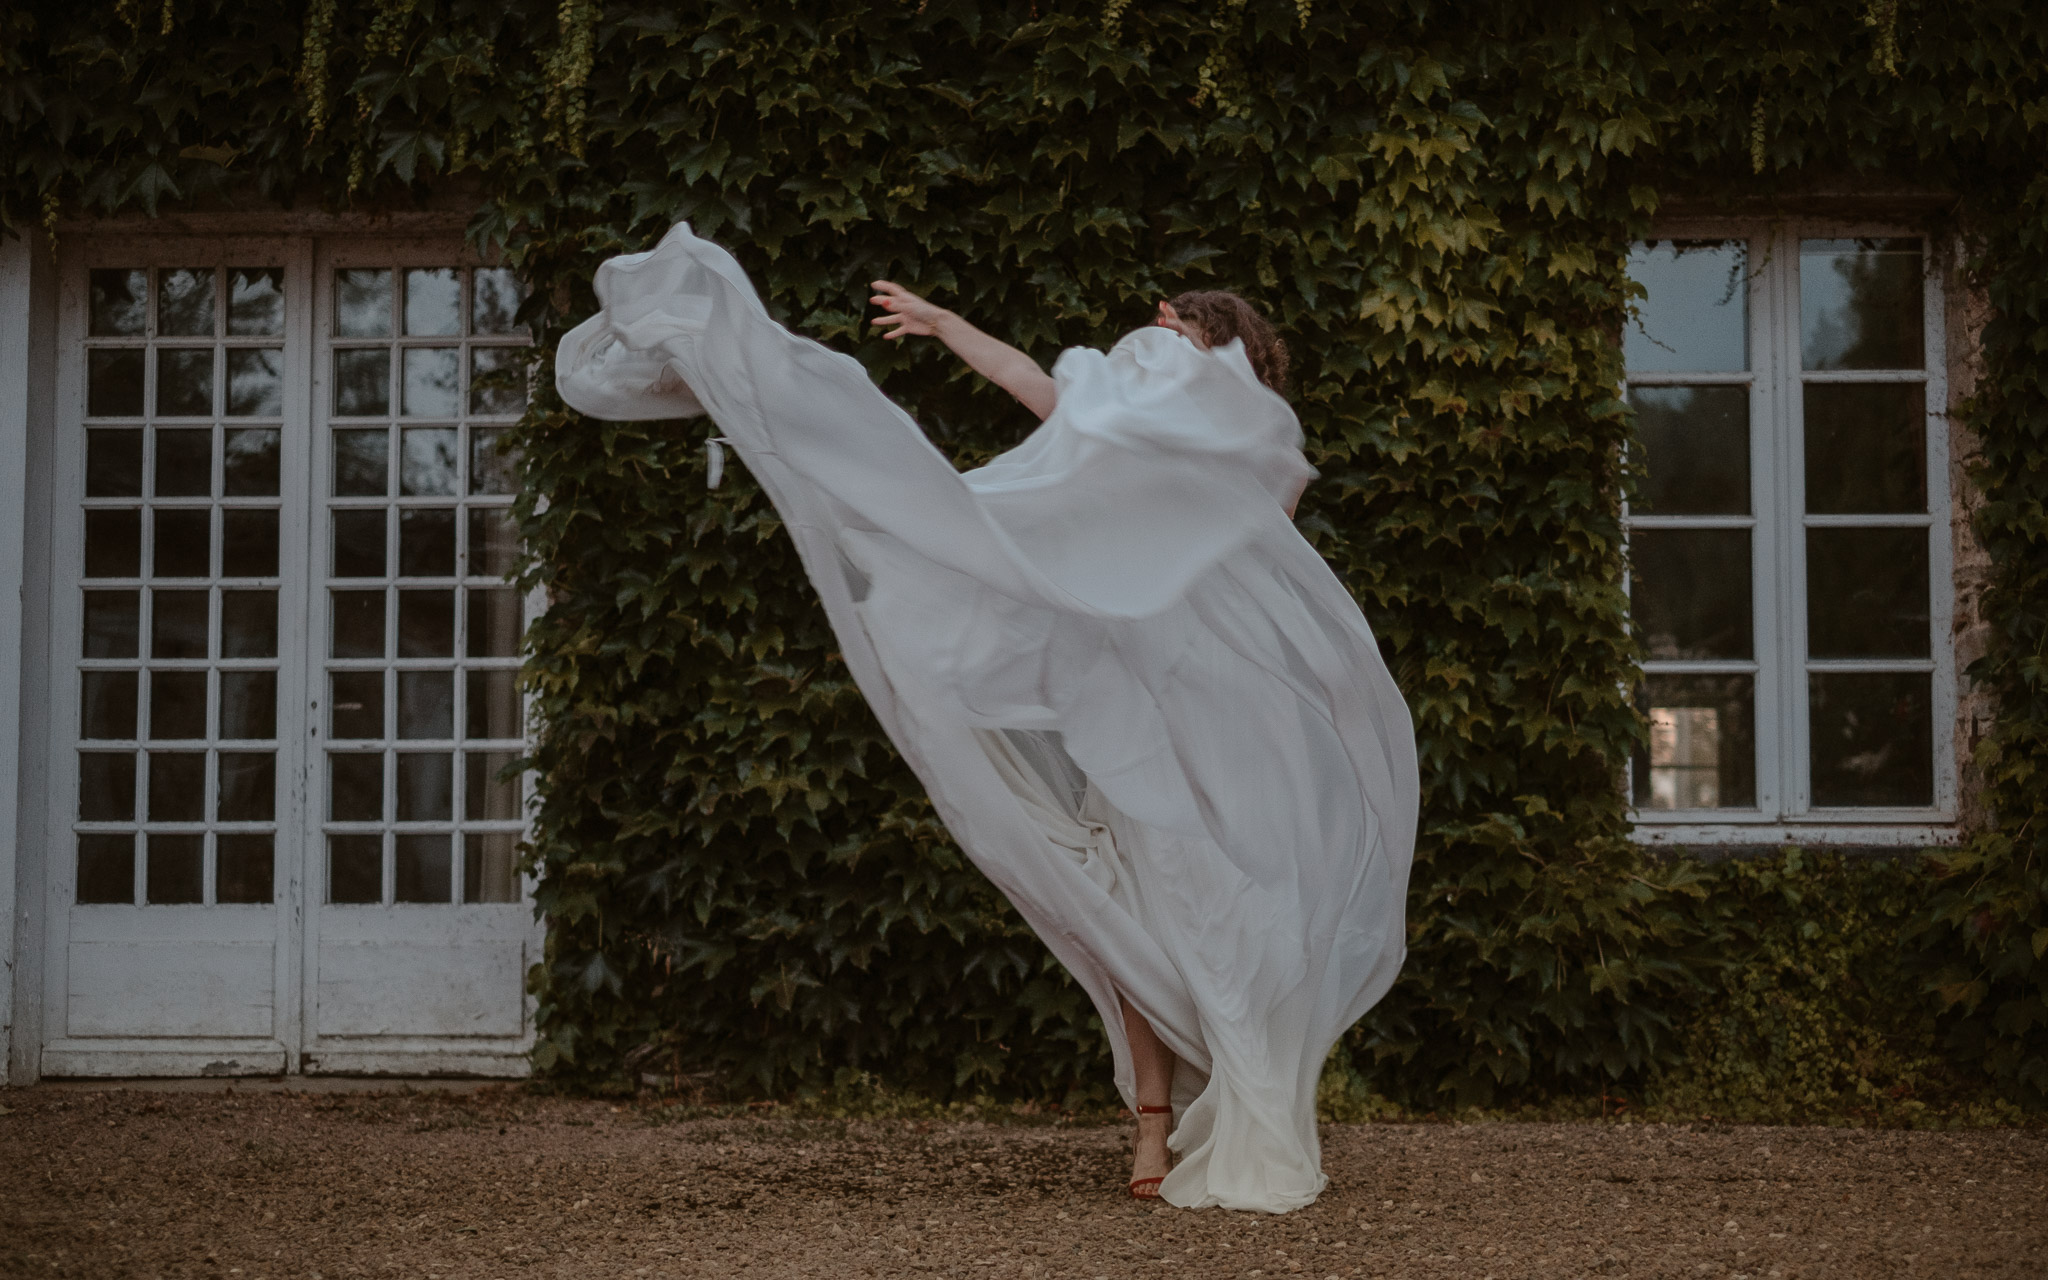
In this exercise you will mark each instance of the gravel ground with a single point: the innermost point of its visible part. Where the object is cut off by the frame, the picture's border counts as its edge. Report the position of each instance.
(497, 1184)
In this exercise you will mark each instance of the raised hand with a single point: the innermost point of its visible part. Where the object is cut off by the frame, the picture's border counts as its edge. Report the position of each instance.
(908, 313)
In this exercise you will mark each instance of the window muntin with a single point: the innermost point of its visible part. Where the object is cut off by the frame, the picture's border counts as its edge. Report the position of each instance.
(179, 584)
(1788, 538)
(422, 643)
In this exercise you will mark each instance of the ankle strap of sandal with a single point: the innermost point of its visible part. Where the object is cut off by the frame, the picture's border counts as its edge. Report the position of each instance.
(1155, 1111)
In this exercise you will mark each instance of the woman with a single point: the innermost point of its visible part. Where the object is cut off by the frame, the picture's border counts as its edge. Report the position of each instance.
(1142, 703)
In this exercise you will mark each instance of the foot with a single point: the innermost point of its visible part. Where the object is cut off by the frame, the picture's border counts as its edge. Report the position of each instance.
(1150, 1159)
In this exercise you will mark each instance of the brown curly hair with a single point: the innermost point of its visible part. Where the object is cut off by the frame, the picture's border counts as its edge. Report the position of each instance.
(1221, 316)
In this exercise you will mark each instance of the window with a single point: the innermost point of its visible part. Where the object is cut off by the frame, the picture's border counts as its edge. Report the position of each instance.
(1789, 538)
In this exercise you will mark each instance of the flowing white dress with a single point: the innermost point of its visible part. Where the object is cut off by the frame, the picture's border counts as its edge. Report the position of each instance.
(1145, 707)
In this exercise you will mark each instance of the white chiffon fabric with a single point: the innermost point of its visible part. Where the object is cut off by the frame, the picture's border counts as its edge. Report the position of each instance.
(1145, 707)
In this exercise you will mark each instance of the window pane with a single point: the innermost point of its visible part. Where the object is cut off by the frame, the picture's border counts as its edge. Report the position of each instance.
(1695, 317)
(113, 622)
(497, 380)
(1695, 449)
(362, 463)
(493, 542)
(426, 787)
(424, 869)
(184, 306)
(113, 544)
(1860, 304)
(355, 869)
(358, 624)
(358, 704)
(184, 463)
(177, 868)
(177, 705)
(355, 788)
(255, 383)
(177, 786)
(494, 304)
(248, 624)
(359, 543)
(1866, 447)
(248, 786)
(426, 542)
(433, 301)
(113, 383)
(106, 786)
(1873, 741)
(488, 796)
(362, 382)
(119, 302)
(250, 458)
(248, 704)
(426, 704)
(243, 868)
(490, 866)
(178, 624)
(255, 304)
(113, 464)
(426, 467)
(248, 543)
(106, 866)
(493, 705)
(426, 624)
(183, 546)
(1691, 592)
(1702, 743)
(107, 704)
(362, 303)
(184, 382)
(1866, 593)
(494, 623)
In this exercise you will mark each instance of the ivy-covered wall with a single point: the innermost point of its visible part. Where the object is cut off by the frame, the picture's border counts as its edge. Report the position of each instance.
(1434, 200)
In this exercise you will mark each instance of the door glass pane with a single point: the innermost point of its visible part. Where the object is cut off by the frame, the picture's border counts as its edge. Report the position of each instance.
(106, 786)
(177, 705)
(184, 462)
(490, 796)
(358, 624)
(184, 382)
(494, 306)
(1694, 317)
(426, 787)
(358, 704)
(177, 786)
(494, 623)
(1690, 590)
(248, 786)
(183, 546)
(248, 543)
(244, 867)
(424, 866)
(359, 542)
(120, 302)
(248, 624)
(362, 382)
(1866, 447)
(106, 868)
(494, 704)
(362, 463)
(433, 382)
(1695, 450)
(355, 868)
(107, 705)
(177, 868)
(113, 464)
(1861, 304)
(184, 305)
(426, 704)
(113, 382)
(1701, 752)
(248, 704)
(113, 622)
(255, 302)
(493, 543)
(251, 462)
(497, 380)
(1873, 740)
(255, 383)
(113, 544)
(362, 303)
(177, 624)
(433, 301)
(426, 542)
(427, 467)
(355, 787)
(490, 861)
(426, 624)
(1866, 593)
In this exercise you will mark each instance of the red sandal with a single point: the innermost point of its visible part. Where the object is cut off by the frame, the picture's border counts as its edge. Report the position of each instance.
(1148, 1188)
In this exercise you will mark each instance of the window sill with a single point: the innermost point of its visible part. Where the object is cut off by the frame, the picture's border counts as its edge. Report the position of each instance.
(1872, 832)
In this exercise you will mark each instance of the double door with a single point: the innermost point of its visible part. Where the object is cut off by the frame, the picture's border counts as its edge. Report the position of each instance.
(286, 808)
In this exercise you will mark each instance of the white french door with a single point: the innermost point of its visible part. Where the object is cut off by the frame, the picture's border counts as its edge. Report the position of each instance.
(283, 834)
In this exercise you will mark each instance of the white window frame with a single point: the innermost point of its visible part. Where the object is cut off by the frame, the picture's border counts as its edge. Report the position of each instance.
(1783, 813)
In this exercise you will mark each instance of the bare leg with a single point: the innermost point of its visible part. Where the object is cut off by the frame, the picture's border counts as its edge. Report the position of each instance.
(1152, 1062)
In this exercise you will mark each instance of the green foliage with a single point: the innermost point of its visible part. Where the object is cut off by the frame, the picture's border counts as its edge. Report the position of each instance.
(741, 877)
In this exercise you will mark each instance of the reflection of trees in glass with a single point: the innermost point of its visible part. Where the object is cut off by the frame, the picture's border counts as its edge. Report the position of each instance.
(1865, 312)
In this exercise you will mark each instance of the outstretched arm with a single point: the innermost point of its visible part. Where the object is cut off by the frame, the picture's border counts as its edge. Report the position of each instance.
(988, 356)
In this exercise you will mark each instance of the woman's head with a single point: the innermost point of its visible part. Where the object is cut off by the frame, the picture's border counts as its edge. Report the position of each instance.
(1212, 318)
